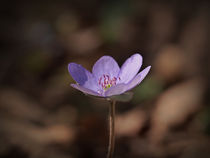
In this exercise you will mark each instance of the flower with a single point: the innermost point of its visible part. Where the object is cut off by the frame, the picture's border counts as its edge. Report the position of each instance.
(107, 79)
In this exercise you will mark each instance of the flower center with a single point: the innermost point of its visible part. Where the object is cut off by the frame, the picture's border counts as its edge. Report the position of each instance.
(105, 81)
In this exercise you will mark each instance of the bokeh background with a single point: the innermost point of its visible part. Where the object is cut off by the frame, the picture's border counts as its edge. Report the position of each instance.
(41, 116)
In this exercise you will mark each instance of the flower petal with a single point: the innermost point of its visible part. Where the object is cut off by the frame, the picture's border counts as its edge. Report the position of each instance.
(138, 78)
(130, 68)
(106, 65)
(82, 76)
(85, 90)
(121, 88)
(116, 90)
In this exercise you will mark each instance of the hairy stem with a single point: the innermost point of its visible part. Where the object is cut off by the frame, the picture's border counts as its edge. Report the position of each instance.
(111, 129)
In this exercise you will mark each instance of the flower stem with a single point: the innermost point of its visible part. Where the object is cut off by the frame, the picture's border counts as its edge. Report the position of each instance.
(111, 129)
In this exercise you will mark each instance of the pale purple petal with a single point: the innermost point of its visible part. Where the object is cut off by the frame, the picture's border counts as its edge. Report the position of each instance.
(116, 90)
(121, 88)
(82, 76)
(85, 90)
(138, 78)
(130, 68)
(106, 65)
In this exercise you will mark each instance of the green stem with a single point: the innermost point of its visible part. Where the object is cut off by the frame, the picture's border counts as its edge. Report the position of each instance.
(111, 129)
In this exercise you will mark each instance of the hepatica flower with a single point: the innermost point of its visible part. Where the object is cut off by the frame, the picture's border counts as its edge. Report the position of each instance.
(107, 78)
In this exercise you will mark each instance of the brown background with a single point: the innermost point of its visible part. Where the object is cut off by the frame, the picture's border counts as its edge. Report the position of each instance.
(41, 116)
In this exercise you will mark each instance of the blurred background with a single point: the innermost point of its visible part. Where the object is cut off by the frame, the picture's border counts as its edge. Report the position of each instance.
(41, 116)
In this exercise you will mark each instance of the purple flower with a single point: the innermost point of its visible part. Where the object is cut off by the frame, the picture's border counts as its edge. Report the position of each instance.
(107, 79)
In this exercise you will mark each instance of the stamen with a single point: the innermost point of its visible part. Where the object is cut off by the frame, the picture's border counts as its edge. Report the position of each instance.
(105, 81)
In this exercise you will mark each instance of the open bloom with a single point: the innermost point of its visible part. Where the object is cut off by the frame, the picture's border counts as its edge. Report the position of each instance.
(107, 79)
